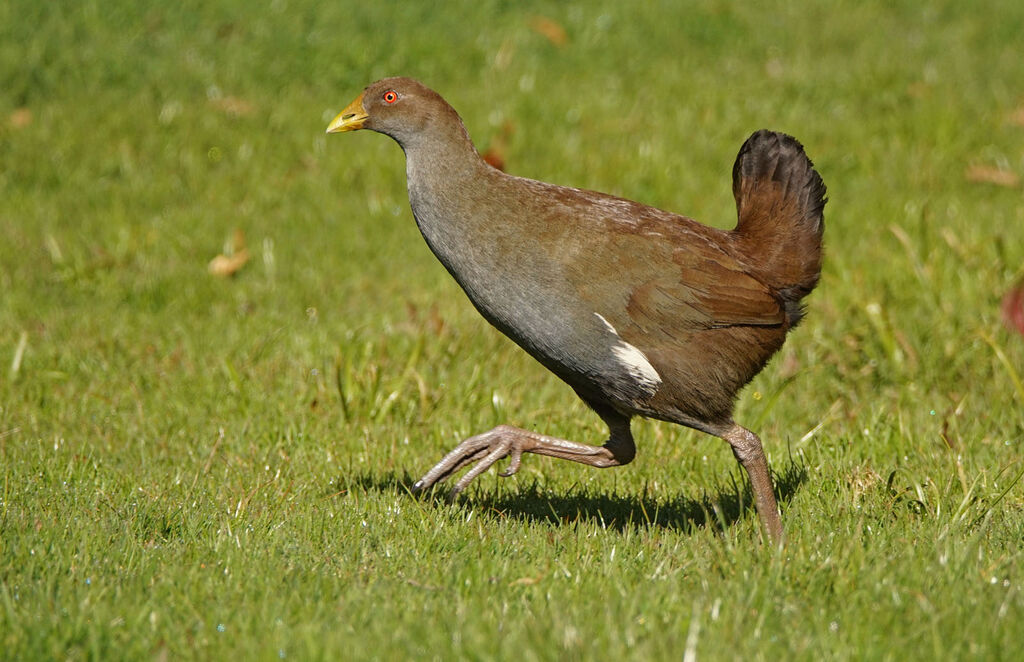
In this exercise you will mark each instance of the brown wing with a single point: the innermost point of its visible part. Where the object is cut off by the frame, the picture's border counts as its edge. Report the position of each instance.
(638, 265)
(702, 292)
(674, 277)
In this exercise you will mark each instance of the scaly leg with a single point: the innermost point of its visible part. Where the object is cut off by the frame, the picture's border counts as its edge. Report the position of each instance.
(747, 448)
(507, 441)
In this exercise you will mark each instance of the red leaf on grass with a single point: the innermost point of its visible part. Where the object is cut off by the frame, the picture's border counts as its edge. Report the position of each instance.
(1013, 308)
(494, 155)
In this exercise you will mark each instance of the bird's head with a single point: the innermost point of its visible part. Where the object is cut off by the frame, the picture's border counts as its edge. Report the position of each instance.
(402, 108)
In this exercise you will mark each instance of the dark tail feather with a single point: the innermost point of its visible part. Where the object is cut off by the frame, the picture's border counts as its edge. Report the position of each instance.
(780, 200)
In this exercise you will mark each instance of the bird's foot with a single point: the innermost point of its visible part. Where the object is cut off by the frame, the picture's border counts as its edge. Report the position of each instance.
(484, 449)
(506, 441)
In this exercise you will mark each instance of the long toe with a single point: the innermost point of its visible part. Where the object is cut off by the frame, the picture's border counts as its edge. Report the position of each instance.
(500, 450)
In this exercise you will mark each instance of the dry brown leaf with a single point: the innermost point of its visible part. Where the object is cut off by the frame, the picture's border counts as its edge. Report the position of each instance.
(504, 56)
(919, 89)
(20, 118)
(230, 262)
(550, 30)
(1016, 117)
(861, 481)
(233, 106)
(435, 321)
(992, 175)
(789, 365)
(228, 265)
(526, 581)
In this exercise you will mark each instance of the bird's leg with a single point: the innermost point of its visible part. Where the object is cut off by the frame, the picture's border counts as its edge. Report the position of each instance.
(507, 441)
(747, 448)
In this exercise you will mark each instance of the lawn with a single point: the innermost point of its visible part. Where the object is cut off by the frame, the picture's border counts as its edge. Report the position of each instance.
(197, 467)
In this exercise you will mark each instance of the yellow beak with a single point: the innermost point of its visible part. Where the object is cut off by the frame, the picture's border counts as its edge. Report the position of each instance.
(353, 117)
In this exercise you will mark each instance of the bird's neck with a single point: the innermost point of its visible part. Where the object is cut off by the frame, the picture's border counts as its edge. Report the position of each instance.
(440, 156)
(449, 190)
(445, 175)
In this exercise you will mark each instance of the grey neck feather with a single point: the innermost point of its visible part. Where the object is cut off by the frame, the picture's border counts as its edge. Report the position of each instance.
(445, 177)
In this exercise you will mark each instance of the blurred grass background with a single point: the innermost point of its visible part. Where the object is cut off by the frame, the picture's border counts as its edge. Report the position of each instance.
(197, 466)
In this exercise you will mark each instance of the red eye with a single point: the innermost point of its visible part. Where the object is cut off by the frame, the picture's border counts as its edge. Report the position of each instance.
(390, 96)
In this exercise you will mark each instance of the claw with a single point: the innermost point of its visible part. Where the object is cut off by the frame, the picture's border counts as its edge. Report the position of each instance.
(515, 459)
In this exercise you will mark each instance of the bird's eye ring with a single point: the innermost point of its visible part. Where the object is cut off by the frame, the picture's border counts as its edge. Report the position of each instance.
(390, 96)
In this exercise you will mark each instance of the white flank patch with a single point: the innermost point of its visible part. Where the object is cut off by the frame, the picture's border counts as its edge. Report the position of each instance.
(633, 359)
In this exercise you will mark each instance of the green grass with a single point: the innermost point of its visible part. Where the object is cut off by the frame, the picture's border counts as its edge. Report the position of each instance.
(195, 467)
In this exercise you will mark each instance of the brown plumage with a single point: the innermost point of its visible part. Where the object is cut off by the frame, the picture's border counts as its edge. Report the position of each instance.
(641, 311)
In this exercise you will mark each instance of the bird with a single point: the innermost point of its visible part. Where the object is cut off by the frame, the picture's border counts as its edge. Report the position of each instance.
(642, 312)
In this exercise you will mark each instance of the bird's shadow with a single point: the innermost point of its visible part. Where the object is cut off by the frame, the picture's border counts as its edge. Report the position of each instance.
(719, 508)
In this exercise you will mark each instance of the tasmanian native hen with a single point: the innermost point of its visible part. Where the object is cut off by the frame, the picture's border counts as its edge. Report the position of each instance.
(641, 311)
